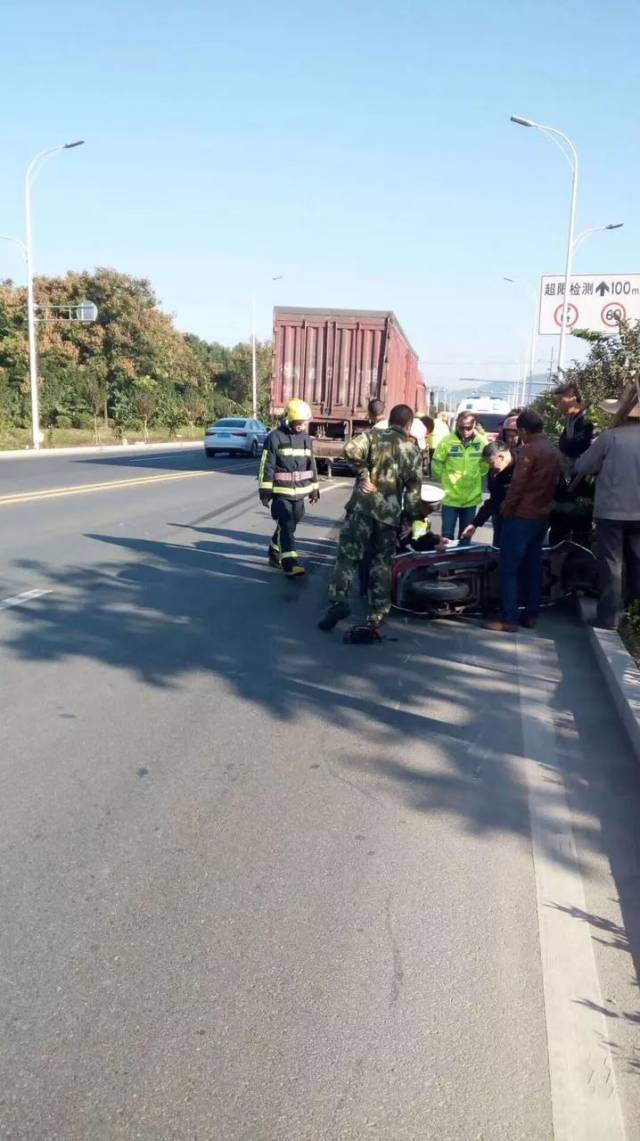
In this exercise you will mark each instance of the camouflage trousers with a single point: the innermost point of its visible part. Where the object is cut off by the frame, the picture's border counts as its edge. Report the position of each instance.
(361, 536)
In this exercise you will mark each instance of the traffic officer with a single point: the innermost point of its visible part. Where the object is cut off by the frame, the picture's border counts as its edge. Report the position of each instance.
(388, 487)
(288, 474)
(459, 464)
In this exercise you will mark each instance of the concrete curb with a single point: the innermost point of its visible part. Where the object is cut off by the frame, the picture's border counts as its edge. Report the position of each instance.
(620, 672)
(90, 450)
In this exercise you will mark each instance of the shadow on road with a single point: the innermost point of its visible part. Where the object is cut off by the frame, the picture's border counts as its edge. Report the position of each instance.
(432, 714)
(183, 459)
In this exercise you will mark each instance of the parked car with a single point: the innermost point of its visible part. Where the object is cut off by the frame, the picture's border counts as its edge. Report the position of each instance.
(235, 435)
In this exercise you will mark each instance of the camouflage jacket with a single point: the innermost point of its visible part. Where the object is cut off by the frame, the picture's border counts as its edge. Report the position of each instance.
(394, 464)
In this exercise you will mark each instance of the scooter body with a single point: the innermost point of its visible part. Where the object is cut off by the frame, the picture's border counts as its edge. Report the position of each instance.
(466, 579)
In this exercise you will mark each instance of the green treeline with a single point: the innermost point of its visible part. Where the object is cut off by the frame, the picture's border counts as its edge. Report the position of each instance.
(130, 370)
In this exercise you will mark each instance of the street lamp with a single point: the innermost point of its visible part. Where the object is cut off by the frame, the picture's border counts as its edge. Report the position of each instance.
(33, 169)
(534, 331)
(571, 155)
(16, 241)
(595, 230)
(254, 365)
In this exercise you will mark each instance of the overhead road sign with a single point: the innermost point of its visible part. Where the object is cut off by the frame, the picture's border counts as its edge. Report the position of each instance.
(597, 302)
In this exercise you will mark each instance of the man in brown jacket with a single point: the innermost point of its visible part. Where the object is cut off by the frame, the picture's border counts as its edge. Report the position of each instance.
(525, 512)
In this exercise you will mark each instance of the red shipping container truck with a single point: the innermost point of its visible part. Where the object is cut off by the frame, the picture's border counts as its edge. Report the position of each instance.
(337, 360)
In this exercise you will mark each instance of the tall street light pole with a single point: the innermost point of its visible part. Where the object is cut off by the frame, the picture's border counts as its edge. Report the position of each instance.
(254, 362)
(564, 144)
(34, 168)
(532, 340)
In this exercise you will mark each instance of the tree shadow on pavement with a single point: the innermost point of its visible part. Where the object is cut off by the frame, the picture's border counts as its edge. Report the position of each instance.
(603, 782)
(430, 717)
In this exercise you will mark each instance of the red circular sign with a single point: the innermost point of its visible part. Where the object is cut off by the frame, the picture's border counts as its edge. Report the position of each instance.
(572, 316)
(613, 313)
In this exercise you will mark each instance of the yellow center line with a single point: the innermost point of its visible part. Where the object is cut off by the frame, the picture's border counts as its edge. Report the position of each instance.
(83, 488)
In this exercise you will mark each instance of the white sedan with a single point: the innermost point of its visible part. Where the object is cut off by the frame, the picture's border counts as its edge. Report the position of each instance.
(235, 435)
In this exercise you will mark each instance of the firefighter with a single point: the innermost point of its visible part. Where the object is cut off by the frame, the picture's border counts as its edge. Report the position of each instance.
(288, 474)
(388, 487)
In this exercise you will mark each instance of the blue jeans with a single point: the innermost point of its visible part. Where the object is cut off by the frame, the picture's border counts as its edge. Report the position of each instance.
(463, 516)
(521, 564)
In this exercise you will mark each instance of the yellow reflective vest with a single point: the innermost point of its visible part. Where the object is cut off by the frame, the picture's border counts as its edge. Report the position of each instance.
(460, 469)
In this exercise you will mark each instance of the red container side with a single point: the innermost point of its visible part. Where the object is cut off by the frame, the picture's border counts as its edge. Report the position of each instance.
(339, 359)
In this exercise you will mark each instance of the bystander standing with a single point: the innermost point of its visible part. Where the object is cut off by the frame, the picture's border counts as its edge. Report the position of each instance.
(525, 512)
(614, 459)
(459, 465)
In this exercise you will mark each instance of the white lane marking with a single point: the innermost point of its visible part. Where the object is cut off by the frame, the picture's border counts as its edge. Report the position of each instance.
(333, 487)
(18, 599)
(584, 1096)
(105, 485)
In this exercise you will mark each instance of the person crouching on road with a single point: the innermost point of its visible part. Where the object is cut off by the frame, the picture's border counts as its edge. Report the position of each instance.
(501, 468)
(459, 465)
(388, 487)
(525, 518)
(287, 475)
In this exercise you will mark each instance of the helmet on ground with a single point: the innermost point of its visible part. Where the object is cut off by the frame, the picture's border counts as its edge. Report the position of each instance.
(297, 410)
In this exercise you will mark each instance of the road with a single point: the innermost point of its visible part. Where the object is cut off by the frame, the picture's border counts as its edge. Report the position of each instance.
(258, 885)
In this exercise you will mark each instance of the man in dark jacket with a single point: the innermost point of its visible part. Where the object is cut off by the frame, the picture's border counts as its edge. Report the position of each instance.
(615, 461)
(577, 433)
(287, 475)
(571, 517)
(501, 467)
(525, 512)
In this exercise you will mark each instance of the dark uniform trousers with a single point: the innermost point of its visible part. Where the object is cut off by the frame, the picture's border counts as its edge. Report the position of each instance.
(287, 513)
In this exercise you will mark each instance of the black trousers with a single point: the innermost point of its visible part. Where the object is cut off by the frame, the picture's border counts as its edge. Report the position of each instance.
(617, 551)
(287, 513)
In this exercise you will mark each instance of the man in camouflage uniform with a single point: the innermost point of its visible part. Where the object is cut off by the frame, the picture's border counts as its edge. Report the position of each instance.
(389, 479)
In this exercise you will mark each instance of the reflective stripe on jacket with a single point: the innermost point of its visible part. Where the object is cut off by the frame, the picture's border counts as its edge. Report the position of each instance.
(460, 469)
(287, 465)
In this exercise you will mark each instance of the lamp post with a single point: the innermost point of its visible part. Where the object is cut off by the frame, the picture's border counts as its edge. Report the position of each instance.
(564, 144)
(532, 339)
(16, 241)
(34, 168)
(595, 230)
(254, 363)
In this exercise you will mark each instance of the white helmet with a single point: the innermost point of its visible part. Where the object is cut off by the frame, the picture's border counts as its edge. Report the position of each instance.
(432, 493)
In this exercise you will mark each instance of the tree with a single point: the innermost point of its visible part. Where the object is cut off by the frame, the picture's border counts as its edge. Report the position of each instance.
(611, 364)
(131, 365)
(146, 400)
(94, 387)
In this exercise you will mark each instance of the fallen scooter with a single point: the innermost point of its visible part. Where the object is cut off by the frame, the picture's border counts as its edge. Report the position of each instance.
(465, 579)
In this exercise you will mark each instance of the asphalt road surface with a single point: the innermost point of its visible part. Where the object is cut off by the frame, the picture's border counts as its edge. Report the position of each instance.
(259, 885)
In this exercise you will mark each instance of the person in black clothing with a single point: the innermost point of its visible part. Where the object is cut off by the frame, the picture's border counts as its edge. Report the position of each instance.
(572, 513)
(501, 468)
(577, 433)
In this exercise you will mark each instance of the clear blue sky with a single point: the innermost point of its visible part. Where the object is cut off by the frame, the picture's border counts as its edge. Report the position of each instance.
(362, 150)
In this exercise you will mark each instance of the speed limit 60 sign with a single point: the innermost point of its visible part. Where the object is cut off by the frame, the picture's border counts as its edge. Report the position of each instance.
(597, 302)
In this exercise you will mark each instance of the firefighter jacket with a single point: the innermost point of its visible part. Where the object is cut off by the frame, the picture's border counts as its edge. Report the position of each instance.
(287, 466)
(460, 469)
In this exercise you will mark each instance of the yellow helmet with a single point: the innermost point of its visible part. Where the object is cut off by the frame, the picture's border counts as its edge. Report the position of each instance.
(297, 410)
